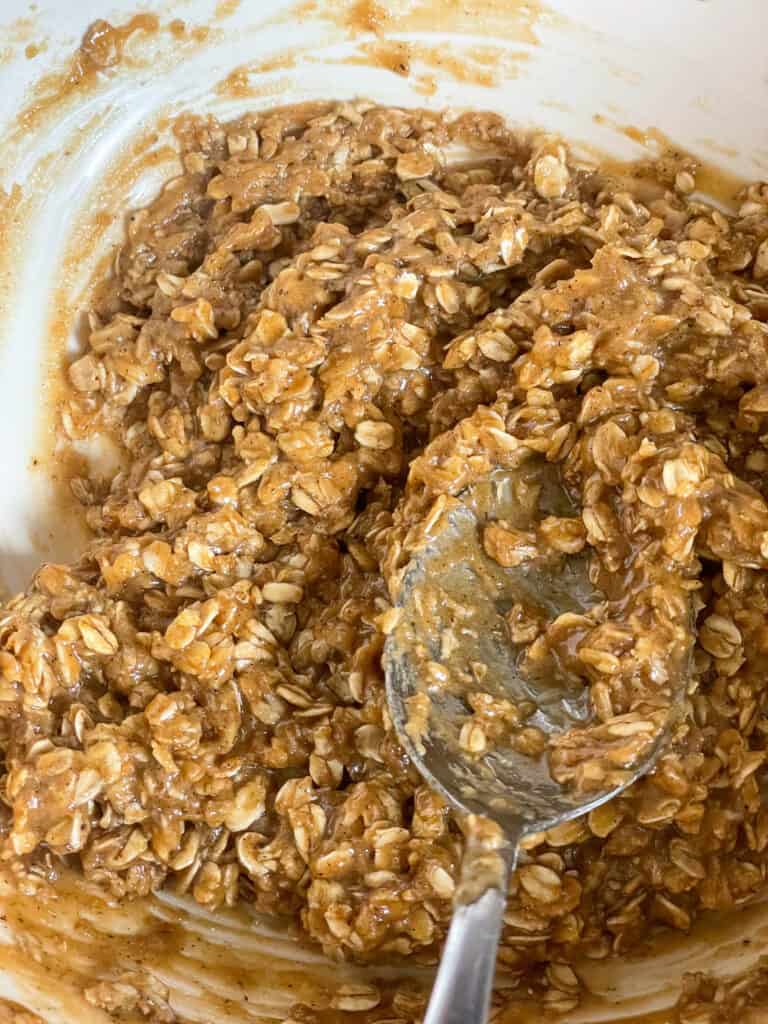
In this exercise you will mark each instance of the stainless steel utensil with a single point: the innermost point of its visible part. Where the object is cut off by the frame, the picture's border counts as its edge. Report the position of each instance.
(452, 591)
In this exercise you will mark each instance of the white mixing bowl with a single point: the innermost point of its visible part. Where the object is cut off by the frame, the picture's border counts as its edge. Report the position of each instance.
(77, 154)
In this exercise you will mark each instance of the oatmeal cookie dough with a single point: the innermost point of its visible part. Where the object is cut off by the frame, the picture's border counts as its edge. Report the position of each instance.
(315, 336)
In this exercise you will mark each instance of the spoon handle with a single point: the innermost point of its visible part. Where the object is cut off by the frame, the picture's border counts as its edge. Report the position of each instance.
(462, 989)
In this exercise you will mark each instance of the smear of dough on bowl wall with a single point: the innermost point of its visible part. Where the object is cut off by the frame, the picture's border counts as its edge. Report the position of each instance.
(86, 139)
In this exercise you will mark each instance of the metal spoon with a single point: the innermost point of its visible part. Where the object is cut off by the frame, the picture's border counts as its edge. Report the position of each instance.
(452, 604)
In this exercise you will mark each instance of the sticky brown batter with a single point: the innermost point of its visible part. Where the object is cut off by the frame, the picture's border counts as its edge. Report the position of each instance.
(315, 337)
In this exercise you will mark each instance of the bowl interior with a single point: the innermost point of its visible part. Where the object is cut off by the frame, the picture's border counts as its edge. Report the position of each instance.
(77, 155)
